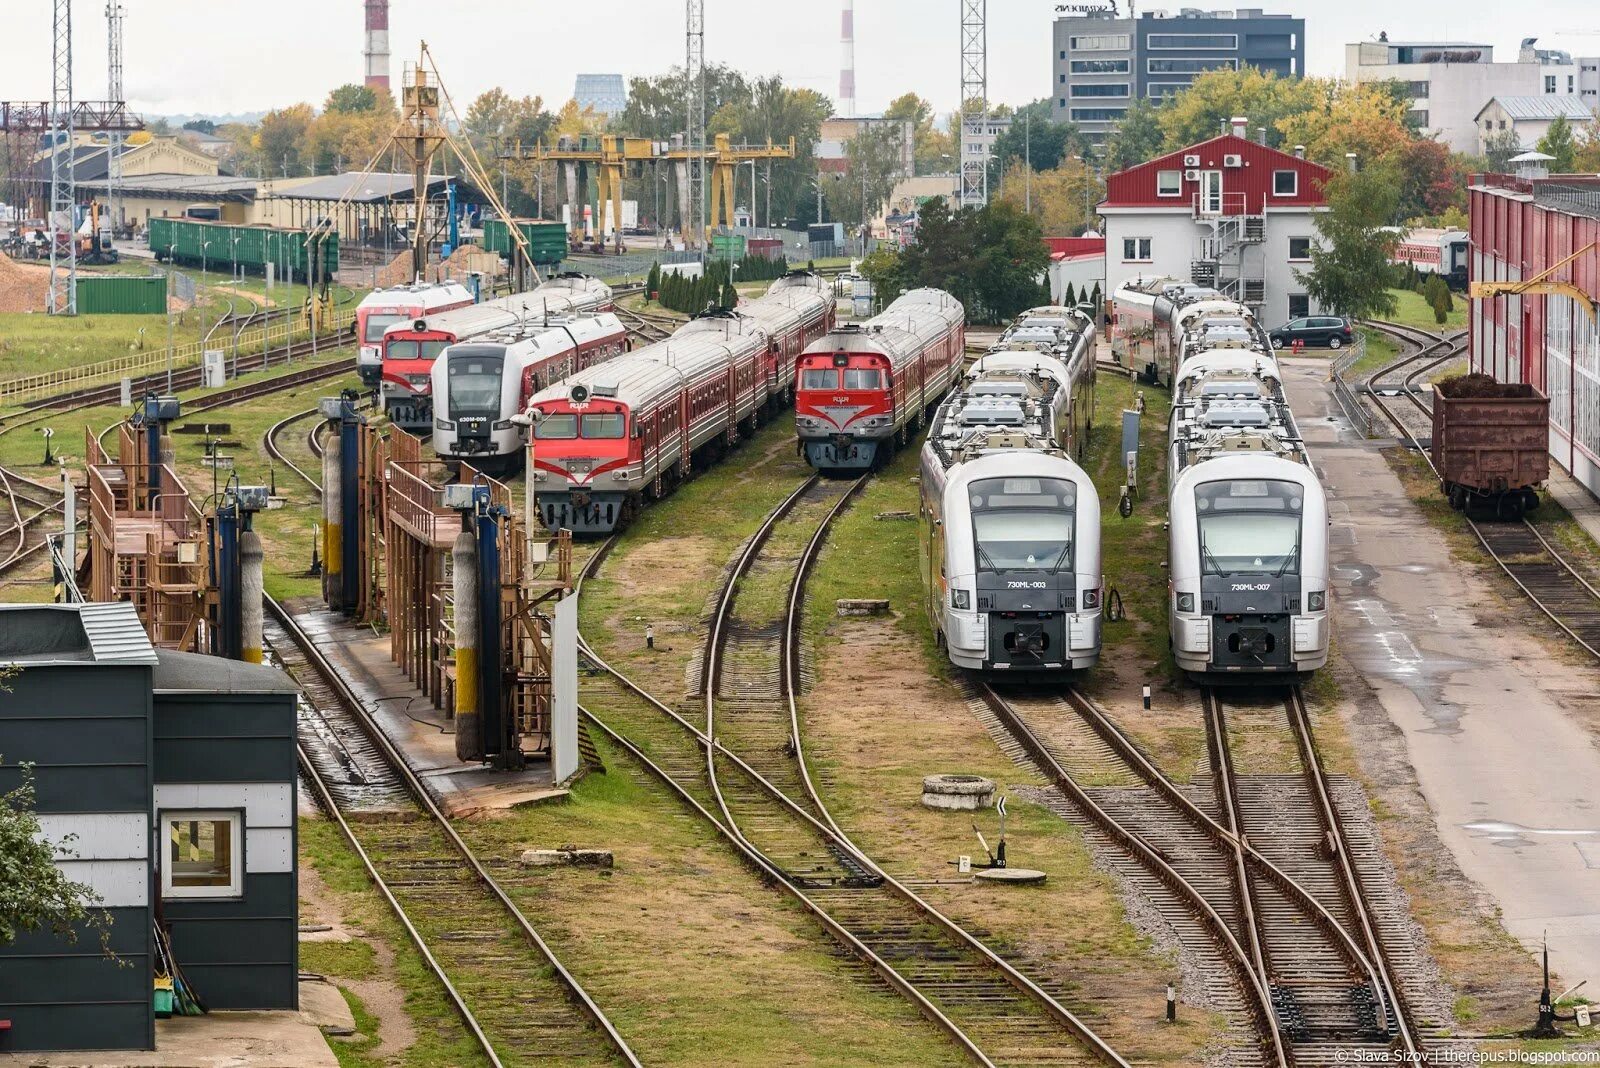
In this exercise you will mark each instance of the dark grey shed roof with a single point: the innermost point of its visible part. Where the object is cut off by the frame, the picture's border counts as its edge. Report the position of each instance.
(177, 672)
(73, 633)
(373, 188)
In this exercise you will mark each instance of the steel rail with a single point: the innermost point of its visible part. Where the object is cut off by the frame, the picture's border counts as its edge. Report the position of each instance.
(413, 784)
(950, 927)
(1349, 880)
(1153, 776)
(1228, 799)
(274, 450)
(1252, 983)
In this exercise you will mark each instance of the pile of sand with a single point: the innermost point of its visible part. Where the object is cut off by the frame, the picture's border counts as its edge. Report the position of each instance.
(23, 286)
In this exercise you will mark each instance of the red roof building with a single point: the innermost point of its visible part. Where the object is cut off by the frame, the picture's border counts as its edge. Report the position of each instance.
(1229, 213)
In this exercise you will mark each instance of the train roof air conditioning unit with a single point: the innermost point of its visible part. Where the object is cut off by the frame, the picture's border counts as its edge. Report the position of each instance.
(1232, 160)
(1191, 176)
(1191, 161)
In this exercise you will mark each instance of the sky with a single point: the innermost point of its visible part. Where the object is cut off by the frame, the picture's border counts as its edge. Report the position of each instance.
(227, 56)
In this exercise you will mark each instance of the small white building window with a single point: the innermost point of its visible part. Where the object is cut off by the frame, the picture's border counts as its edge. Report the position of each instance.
(202, 854)
(1169, 183)
(1285, 183)
(1299, 248)
(1136, 250)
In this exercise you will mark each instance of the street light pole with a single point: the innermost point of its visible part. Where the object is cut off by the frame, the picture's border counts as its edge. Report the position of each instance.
(1027, 160)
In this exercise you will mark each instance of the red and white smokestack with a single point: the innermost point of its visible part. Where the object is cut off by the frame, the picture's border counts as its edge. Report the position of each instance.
(377, 46)
(847, 66)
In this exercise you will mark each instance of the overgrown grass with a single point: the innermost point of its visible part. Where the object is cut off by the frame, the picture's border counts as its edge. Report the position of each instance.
(439, 1035)
(1414, 311)
(693, 958)
(1382, 350)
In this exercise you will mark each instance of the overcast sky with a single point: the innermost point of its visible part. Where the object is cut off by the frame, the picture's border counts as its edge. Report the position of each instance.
(222, 56)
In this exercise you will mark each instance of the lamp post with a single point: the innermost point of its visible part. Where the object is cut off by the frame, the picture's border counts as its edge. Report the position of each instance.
(752, 164)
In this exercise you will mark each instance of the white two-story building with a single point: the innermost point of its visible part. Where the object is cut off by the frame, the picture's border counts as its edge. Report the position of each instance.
(1229, 213)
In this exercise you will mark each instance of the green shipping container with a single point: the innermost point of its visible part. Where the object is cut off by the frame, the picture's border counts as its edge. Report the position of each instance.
(727, 246)
(122, 295)
(193, 241)
(547, 241)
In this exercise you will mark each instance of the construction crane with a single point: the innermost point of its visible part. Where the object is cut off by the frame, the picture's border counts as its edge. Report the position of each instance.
(974, 103)
(114, 16)
(609, 155)
(1540, 283)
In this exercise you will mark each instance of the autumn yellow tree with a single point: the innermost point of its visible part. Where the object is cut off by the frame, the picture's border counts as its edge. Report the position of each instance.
(1063, 198)
(1200, 111)
(931, 146)
(1344, 118)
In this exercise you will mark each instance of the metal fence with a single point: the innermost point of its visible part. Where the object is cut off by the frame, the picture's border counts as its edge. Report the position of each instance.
(1348, 396)
(283, 331)
(180, 287)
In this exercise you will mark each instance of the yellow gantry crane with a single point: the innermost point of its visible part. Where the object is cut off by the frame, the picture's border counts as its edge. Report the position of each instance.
(1540, 283)
(610, 154)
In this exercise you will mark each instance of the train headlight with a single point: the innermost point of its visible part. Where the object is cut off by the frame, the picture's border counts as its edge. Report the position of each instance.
(502, 424)
(1317, 602)
(1091, 600)
(443, 424)
(1186, 602)
(961, 599)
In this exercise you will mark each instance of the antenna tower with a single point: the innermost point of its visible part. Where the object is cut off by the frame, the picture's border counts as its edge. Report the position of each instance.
(974, 103)
(695, 82)
(63, 297)
(114, 17)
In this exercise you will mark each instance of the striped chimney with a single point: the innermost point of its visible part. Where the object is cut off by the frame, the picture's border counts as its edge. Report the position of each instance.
(376, 51)
(847, 68)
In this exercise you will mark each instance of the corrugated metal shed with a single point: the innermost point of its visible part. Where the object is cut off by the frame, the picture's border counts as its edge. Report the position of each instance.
(1541, 107)
(115, 633)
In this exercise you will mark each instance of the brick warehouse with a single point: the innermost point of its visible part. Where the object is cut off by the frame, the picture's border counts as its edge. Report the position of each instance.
(1522, 226)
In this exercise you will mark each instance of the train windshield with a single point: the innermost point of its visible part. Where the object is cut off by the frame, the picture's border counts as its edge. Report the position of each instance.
(415, 350)
(819, 378)
(377, 324)
(1023, 524)
(863, 378)
(604, 425)
(561, 426)
(1249, 526)
(474, 383)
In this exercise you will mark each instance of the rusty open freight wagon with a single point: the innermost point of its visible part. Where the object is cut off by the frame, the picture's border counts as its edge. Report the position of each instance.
(1490, 443)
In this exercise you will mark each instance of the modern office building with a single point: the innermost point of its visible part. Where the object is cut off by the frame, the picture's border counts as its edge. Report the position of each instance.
(1102, 62)
(1451, 81)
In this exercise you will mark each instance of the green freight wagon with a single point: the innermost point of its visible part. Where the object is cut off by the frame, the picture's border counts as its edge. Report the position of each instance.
(122, 295)
(547, 241)
(193, 241)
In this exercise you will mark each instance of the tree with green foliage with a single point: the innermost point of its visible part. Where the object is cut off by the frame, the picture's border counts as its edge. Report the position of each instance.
(652, 281)
(1035, 136)
(1558, 141)
(1070, 298)
(35, 894)
(874, 167)
(352, 99)
(992, 259)
(934, 149)
(1350, 266)
(1200, 111)
(1499, 147)
(1441, 305)
(1137, 138)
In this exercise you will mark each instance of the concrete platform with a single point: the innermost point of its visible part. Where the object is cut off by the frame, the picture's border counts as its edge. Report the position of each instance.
(1575, 497)
(1491, 721)
(424, 734)
(219, 1040)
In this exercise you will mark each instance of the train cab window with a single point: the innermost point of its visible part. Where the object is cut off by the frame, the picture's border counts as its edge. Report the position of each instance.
(819, 378)
(604, 425)
(378, 324)
(414, 350)
(1023, 524)
(863, 378)
(557, 427)
(1249, 526)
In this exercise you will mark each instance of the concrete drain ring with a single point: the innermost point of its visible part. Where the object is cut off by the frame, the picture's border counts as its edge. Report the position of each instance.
(959, 792)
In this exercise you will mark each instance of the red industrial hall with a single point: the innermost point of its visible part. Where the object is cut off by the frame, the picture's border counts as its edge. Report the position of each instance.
(1542, 230)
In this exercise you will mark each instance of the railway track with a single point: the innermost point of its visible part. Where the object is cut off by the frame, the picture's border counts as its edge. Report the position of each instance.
(516, 999)
(275, 450)
(745, 773)
(647, 327)
(1259, 893)
(1537, 567)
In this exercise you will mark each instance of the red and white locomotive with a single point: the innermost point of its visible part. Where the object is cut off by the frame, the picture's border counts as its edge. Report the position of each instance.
(382, 308)
(410, 347)
(865, 388)
(611, 438)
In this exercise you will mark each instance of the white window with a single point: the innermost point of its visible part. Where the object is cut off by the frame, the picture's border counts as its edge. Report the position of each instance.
(1549, 83)
(1285, 183)
(1105, 42)
(1299, 248)
(202, 854)
(1136, 250)
(1169, 183)
(1200, 41)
